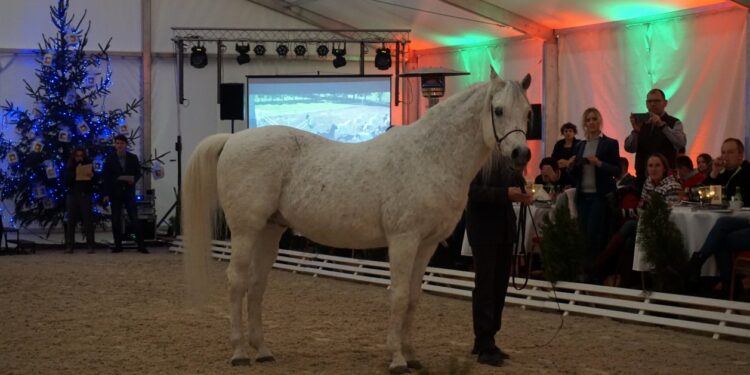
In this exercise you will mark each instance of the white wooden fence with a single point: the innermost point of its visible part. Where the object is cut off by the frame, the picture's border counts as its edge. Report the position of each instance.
(714, 316)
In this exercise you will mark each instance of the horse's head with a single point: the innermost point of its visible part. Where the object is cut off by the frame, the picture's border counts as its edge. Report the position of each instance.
(506, 119)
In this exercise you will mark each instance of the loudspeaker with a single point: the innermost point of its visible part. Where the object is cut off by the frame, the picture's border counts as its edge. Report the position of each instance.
(534, 129)
(231, 98)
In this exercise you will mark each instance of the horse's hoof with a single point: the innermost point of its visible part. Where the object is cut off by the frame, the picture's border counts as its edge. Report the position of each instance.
(399, 370)
(236, 362)
(414, 364)
(268, 358)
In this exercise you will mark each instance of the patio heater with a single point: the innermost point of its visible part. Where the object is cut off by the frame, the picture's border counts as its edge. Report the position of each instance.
(433, 81)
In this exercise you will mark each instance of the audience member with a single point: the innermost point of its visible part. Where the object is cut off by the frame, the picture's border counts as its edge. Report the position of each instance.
(618, 254)
(78, 174)
(689, 177)
(730, 233)
(703, 162)
(625, 179)
(731, 170)
(565, 148)
(551, 177)
(121, 171)
(660, 133)
(593, 169)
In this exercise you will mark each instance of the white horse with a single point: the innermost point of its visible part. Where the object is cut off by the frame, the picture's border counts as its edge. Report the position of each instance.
(405, 190)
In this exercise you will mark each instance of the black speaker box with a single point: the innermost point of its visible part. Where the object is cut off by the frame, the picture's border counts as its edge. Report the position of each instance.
(231, 99)
(534, 130)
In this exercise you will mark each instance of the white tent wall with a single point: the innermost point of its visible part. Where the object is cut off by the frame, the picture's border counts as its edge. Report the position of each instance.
(22, 23)
(512, 59)
(699, 60)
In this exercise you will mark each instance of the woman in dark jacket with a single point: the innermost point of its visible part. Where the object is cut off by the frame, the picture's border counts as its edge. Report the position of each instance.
(78, 198)
(565, 148)
(594, 168)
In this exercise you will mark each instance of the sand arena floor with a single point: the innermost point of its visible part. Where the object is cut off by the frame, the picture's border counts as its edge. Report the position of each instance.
(125, 314)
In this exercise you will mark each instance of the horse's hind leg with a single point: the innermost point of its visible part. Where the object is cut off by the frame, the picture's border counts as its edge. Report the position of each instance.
(263, 256)
(237, 274)
(415, 291)
(402, 252)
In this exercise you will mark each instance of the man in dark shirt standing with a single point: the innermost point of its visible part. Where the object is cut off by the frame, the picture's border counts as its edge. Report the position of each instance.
(121, 171)
(660, 133)
(491, 231)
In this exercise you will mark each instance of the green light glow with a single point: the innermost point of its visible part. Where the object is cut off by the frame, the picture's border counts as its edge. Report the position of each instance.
(630, 10)
(477, 61)
(464, 40)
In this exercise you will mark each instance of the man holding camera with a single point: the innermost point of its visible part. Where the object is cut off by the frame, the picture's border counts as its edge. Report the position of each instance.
(654, 132)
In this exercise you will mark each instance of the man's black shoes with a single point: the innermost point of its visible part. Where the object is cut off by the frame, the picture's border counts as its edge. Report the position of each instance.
(491, 358)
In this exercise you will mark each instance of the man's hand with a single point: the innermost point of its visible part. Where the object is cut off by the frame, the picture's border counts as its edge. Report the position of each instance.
(655, 120)
(517, 195)
(717, 166)
(562, 163)
(636, 126)
(572, 160)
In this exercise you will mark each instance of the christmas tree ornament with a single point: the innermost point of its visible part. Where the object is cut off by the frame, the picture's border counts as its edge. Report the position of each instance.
(63, 135)
(72, 38)
(47, 59)
(98, 164)
(37, 145)
(48, 203)
(70, 97)
(157, 170)
(11, 157)
(83, 127)
(40, 191)
(122, 129)
(49, 169)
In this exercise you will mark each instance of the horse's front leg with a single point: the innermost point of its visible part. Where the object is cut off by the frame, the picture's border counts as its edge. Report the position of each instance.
(402, 252)
(263, 255)
(237, 275)
(415, 291)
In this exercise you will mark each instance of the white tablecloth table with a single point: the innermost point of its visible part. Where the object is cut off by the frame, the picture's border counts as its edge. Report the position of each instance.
(694, 225)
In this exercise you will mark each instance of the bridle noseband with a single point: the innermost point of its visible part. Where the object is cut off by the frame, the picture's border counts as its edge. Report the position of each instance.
(494, 129)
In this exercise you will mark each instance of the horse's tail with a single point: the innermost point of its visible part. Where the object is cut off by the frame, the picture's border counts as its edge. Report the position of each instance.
(199, 204)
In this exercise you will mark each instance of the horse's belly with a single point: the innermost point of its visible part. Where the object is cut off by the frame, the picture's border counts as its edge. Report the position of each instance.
(353, 229)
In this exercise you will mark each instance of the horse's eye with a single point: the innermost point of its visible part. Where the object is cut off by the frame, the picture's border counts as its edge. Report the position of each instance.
(498, 111)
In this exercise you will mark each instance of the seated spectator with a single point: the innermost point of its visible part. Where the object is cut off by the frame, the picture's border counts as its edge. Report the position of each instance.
(552, 178)
(565, 148)
(618, 254)
(689, 177)
(625, 179)
(729, 234)
(703, 162)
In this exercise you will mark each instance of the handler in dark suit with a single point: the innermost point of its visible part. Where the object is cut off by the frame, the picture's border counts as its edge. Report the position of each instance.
(491, 230)
(595, 168)
(121, 171)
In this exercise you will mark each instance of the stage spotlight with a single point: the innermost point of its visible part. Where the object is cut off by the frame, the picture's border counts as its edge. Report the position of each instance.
(282, 50)
(340, 60)
(199, 58)
(383, 58)
(259, 50)
(243, 50)
(300, 50)
(322, 50)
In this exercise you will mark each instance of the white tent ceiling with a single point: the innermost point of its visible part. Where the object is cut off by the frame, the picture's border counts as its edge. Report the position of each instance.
(445, 23)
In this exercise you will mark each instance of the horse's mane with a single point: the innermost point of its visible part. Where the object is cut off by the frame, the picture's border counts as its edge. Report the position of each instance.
(455, 105)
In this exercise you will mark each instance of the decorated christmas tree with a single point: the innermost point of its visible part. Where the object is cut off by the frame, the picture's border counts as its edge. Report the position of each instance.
(68, 112)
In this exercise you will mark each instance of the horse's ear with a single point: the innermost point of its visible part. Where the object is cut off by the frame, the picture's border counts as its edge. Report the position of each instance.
(493, 73)
(526, 83)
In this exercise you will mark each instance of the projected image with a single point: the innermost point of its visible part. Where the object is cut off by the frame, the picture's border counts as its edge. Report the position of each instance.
(345, 109)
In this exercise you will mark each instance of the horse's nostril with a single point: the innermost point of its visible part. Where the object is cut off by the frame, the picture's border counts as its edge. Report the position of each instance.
(514, 153)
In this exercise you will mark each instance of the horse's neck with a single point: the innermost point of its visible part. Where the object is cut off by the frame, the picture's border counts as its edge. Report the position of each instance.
(452, 135)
